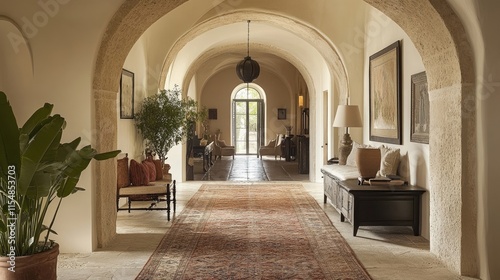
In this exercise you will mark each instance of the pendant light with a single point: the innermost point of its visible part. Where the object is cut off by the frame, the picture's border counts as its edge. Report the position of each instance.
(248, 69)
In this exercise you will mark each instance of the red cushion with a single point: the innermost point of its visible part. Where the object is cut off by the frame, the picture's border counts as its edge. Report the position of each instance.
(139, 175)
(151, 170)
(159, 169)
(123, 179)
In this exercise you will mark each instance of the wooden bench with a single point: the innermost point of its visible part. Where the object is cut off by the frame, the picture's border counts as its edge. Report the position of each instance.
(157, 191)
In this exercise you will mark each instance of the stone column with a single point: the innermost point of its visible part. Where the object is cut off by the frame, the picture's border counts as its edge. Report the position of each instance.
(105, 171)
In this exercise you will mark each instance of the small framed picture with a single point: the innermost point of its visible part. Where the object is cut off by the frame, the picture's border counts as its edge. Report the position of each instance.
(281, 114)
(420, 118)
(212, 114)
(127, 95)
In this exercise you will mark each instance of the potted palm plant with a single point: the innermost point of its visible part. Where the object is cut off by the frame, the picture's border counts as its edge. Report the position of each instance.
(36, 170)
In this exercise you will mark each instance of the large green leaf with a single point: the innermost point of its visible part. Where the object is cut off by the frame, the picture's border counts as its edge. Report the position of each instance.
(107, 155)
(66, 149)
(40, 185)
(38, 116)
(9, 137)
(35, 151)
(51, 154)
(78, 161)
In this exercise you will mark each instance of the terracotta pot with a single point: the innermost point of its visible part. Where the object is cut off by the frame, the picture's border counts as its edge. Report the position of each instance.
(166, 168)
(41, 266)
(368, 162)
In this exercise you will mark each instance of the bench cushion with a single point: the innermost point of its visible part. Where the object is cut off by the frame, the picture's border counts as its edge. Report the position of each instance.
(144, 190)
(342, 172)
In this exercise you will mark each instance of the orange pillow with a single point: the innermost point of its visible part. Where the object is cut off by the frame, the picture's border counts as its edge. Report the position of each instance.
(138, 174)
(151, 170)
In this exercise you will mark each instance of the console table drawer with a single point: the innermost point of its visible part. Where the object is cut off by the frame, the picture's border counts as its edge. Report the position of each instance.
(346, 200)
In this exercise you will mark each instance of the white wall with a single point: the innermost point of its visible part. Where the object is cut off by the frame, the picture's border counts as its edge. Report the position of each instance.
(381, 32)
(129, 139)
(64, 38)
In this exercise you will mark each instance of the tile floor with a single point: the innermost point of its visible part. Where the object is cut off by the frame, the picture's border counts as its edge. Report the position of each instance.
(386, 252)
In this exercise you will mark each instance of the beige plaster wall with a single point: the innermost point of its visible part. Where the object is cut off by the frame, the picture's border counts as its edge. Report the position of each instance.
(217, 94)
(129, 139)
(64, 41)
(481, 21)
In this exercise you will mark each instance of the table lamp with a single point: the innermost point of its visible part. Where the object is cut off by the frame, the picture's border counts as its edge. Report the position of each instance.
(346, 116)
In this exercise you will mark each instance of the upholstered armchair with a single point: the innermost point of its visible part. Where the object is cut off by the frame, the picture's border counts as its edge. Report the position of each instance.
(221, 149)
(273, 148)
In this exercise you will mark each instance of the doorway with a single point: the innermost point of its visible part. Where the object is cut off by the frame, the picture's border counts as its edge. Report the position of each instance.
(247, 121)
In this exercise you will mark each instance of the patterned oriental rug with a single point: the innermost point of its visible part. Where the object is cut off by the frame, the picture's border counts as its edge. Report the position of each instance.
(253, 231)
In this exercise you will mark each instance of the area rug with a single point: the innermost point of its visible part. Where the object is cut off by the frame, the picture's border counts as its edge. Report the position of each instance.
(253, 231)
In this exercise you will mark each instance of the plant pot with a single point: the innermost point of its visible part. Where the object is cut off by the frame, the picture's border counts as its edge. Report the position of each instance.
(41, 266)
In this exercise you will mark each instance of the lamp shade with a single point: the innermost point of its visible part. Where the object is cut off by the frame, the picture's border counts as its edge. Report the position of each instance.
(301, 101)
(347, 116)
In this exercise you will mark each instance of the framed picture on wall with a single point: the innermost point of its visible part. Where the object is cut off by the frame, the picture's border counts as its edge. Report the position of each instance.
(420, 118)
(212, 114)
(281, 114)
(127, 95)
(385, 95)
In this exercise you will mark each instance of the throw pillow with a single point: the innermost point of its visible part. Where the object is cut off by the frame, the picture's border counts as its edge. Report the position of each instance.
(389, 162)
(151, 170)
(159, 169)
(138, 174)
(123, 179)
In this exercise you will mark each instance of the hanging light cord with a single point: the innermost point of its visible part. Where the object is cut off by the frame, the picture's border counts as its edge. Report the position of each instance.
(248, 48)
(248, 39)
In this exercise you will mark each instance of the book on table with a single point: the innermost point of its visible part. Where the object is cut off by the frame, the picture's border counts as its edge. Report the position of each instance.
(387, 180)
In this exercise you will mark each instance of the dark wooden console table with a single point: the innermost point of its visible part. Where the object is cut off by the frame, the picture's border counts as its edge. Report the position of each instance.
(381, 205)
(206, 153)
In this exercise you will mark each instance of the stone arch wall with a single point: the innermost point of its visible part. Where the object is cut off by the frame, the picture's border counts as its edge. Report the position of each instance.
(440, 39)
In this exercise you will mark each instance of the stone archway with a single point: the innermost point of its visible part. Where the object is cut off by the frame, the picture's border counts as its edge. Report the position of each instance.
(439, 37)
(441, 41)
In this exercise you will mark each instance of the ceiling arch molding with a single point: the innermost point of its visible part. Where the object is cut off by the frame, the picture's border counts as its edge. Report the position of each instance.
(211, 53)
(316, 40)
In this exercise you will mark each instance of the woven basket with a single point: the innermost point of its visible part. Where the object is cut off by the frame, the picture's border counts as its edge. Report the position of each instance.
(368, 162)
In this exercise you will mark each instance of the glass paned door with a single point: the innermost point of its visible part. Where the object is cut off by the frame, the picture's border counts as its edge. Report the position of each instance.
(247, 125)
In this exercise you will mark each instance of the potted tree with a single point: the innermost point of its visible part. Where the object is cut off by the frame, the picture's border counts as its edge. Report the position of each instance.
(36, 170)
(165, 119)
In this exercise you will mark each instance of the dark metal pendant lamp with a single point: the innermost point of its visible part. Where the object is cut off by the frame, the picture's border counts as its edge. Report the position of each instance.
(248, 69)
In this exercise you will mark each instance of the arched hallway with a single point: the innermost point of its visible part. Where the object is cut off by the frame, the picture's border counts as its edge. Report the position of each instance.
(71, 53)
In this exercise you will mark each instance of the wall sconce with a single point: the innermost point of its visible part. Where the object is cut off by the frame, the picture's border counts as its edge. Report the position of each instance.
(301, 101)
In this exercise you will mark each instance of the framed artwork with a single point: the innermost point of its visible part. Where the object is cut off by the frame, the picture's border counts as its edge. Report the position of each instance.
(127, 95)
(385, 95)
(212, 114)
(420, 118)
(281, 114)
